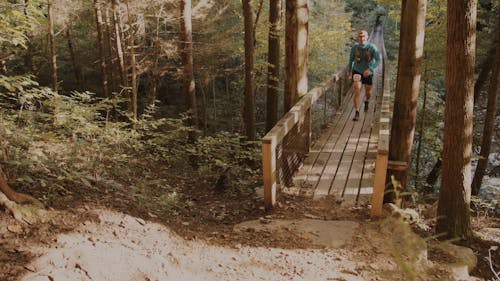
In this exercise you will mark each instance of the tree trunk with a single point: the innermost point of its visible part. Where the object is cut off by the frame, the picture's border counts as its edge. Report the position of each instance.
(188, 85)
(433, 176)
(100, 45)
(296, 51)
(489, 122)
(273, 68)
(411, 45)
(118, 41)
(109, 47)
(131, 43)
(421, 130)
(76, 65)
(249, 107)
(454, 197)
(485, 69)
(28, 56)
(53, 61)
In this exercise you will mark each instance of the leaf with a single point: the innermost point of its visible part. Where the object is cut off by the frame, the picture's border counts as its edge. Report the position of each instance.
(15, 228)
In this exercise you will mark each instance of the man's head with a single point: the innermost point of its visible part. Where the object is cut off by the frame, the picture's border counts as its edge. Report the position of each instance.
(362, 37)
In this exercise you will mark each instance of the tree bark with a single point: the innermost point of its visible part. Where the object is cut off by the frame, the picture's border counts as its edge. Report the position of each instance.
(273, 68)
(489, 122)
(411, 45)
(249, 106)
(100, 45)
(53, 61)
(188, 85)
(296, 51)
(454, 198)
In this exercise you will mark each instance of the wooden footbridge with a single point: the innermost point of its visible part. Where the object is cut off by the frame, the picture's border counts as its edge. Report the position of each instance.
(347, 159)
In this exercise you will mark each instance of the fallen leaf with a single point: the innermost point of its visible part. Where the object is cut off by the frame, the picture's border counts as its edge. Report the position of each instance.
(15, 228)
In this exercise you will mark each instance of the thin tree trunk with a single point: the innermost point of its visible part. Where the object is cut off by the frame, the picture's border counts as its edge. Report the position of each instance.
(485, 69)
(28, 56)
(257, 16)
(100, 44)
(454, 197)
(131, 44)
(74, 61)
(489, 122)
(155, 72)
(433, 176)
(53, 61)
(296, 51)
(273, 69)
(187, 61)
(421, 130)
(411, 45)
(118, 41)
(109, 47)
(249, 107)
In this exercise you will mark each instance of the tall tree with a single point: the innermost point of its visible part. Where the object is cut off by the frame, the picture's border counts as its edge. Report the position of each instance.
(296, 50)
(273, 59)
(489, 121)
(100, 45)
(77, 69)
(53, 60)
(118, 41)
(131, 43)
(188, 85)
(249, 107)
(454, 196)
(411, 46)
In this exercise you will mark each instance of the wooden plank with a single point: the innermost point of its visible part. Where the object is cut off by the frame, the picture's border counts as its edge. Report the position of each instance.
(336, 147)
(321, 145)
(351, 191)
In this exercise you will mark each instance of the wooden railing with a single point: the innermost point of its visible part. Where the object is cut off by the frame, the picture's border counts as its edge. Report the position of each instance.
(294, 127)
(382, 162)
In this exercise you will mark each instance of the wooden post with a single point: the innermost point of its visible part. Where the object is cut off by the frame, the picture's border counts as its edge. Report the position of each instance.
(340, 91)
(269, 173)
(379, 184)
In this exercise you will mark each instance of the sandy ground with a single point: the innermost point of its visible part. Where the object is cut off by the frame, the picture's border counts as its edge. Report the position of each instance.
(119, 247)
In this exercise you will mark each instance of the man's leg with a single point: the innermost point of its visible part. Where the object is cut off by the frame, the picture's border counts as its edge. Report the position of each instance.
(368, 94)
(357, 99)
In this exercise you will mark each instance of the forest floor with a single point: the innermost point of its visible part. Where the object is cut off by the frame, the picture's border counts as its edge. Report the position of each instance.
(225, 235)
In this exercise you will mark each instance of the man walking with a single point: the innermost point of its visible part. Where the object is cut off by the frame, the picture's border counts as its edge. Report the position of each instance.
(363, 61)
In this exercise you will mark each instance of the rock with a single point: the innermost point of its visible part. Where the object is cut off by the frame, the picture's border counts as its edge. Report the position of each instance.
(459, 257)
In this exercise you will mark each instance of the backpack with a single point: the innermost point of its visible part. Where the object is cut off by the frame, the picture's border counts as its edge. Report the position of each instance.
(361, 53)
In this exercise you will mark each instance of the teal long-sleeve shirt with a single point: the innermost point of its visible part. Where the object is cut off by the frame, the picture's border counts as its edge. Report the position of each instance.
(363, 57)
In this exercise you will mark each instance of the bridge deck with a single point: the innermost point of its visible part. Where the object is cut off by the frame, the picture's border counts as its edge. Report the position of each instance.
(342, 161)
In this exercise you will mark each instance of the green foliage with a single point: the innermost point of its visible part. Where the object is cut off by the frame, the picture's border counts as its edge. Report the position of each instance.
(329, 35)
(62, 144)
(15, 23)
(405, 246)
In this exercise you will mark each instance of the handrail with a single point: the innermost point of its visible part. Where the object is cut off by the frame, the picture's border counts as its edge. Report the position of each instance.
(298, 116)
(381, 162)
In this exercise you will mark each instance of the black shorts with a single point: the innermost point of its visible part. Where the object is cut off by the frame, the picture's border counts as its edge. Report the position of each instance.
(364, 80)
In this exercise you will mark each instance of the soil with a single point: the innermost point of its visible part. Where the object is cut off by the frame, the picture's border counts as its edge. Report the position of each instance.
(213, 234)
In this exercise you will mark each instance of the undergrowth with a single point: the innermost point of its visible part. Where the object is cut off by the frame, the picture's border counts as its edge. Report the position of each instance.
(52, 144)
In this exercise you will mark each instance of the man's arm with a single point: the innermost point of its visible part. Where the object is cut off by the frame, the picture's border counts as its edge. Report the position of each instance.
(375, 62)
(351, 59)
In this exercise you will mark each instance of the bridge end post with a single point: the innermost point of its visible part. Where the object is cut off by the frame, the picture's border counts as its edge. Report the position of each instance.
(379, 184)
(269, 173)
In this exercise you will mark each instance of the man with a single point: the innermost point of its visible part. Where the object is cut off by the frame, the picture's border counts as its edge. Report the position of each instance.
(363, 61)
